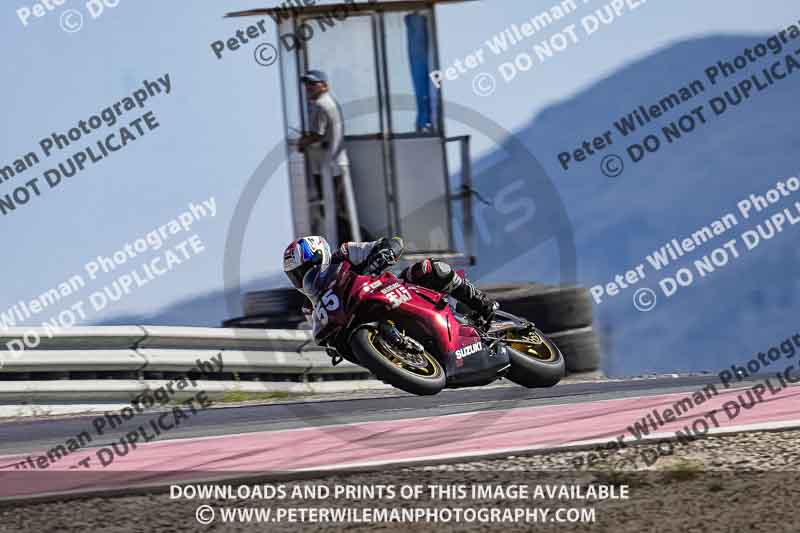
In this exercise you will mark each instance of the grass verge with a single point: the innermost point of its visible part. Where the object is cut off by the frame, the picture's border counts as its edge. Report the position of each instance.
(239, 396)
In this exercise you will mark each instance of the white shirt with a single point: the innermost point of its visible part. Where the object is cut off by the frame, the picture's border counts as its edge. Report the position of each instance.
(327, 121)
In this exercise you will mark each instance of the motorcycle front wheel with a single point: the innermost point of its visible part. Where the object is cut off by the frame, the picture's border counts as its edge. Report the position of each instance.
(414, 371)
(536, 362)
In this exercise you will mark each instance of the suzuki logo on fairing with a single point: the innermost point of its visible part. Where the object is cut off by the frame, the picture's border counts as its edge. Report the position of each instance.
(469, 350)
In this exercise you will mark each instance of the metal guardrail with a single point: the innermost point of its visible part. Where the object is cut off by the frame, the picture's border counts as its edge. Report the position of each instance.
(85, 392)
(142, 349)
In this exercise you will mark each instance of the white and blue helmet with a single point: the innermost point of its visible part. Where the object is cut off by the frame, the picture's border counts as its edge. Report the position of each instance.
(304, 259)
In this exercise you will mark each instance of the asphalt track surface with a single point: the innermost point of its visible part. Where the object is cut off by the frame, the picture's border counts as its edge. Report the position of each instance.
(389, 429)
(29, 435)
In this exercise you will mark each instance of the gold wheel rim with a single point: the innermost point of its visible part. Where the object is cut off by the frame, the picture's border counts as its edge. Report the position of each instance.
(430, 370)
(540, 350)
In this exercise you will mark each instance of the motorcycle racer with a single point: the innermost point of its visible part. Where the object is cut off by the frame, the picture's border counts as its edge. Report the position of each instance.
(309, 264)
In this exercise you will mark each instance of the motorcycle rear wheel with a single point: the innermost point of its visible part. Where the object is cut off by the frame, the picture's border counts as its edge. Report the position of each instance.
(538, 363)
(418, 373)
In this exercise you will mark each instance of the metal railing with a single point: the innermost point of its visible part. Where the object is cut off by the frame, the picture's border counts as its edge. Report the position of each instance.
(157, 352)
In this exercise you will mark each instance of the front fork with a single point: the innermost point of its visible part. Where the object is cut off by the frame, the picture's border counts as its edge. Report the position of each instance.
(339, 349)
(386, 330)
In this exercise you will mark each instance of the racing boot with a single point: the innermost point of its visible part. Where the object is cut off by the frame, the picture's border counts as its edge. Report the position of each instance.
(465, 292)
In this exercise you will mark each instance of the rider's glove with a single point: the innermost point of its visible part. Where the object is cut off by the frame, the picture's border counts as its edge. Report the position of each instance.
(380, 261)
(385, 254)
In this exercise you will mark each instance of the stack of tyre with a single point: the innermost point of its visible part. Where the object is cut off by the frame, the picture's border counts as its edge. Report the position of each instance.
(563, 313)
(271, 309)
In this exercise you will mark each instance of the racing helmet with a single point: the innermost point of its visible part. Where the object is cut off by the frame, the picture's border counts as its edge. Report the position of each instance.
(304, 258)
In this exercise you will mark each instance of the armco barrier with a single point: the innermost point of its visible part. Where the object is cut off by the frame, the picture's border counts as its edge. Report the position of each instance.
(144, 349)
(84, 392)
(98, 363)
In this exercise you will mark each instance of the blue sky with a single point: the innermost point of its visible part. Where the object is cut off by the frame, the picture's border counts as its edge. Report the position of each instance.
(223, 116)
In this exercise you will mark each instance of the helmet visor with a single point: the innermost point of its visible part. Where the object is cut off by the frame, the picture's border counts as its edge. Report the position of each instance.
(296, 276)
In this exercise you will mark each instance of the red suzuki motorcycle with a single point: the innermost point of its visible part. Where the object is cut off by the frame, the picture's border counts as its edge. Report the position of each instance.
(412, 338)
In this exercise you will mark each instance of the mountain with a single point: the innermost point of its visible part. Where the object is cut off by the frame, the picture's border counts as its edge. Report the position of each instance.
(742, 309)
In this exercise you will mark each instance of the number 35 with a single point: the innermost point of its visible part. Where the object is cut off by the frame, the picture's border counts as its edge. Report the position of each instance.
(329, 302)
